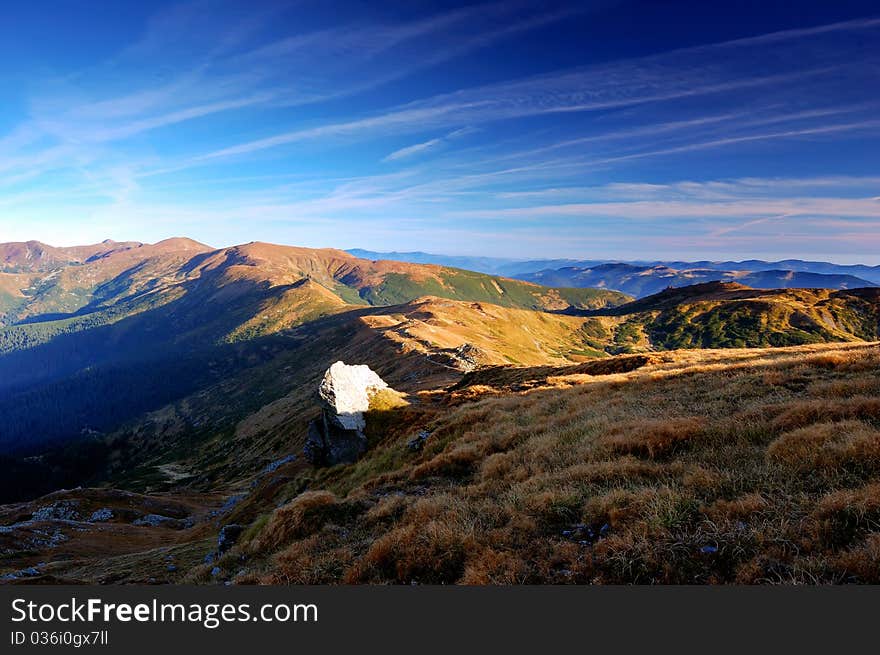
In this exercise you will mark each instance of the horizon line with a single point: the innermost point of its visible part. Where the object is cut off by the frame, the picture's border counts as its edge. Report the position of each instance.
(603, 260)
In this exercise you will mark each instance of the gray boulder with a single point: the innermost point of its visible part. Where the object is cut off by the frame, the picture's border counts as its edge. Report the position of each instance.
(337, 436)
(465, 358)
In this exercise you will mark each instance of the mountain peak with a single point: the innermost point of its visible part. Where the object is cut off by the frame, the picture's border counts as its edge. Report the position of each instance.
(181, 243)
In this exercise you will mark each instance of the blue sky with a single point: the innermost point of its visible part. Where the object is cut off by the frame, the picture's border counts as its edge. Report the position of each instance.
(597, 129)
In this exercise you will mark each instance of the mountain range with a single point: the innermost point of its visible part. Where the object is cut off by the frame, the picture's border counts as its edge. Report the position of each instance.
(644, 278)
(643, 281)
(178, 380)
(94, 326)
(93, 336)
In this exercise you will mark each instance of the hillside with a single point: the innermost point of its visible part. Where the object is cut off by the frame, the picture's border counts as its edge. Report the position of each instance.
(493, 334)
(730, 315)
(746, 466)
(136, 414)
(175, 325)
(55, 283)
(737, 466)
(97, 342)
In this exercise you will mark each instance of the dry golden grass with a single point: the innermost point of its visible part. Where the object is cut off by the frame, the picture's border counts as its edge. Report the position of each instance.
(715, 467)
(299, 518)
(801, 413)
(654, 438)
(384, 400)
(826, 447)
(501, 335)
(843, 515)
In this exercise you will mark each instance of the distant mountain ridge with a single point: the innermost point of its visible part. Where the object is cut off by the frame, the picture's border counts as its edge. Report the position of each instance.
(642, 281)
(641, 278)
(41, 280)
(491, 265)
(35, 256)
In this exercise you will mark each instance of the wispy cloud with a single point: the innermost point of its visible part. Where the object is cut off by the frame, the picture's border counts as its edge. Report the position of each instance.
(659, 210)
(418, 148)
(667, 77)
(275, 117)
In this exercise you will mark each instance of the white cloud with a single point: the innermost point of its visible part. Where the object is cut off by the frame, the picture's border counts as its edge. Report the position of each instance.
(430, 144)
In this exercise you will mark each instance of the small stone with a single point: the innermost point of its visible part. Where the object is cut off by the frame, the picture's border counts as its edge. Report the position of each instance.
(101, 515)
(274, 466)
(417, 443)
(156, 520)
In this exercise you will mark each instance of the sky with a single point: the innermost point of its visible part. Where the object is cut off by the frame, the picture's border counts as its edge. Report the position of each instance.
(599, 129)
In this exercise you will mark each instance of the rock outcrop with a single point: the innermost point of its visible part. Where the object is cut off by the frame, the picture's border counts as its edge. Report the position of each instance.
(62, 510)
(465, 358)
(337, 436)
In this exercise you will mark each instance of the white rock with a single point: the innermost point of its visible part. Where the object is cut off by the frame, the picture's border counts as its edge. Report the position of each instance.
(347, 390)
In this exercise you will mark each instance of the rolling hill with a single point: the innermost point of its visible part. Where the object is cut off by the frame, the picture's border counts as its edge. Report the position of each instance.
(701, 466)
(731, 315)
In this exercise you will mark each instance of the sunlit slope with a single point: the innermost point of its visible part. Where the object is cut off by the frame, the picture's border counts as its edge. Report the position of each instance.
(109, 280)
(736, 466)
(729, 315)
(164, 322)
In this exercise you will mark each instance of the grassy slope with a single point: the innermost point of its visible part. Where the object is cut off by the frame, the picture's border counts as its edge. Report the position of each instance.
(245, 418)
(455, 284)
(758, 465)
(140, 327)
(502, 335)
(286, 286)
(737, 466)
(719, 315)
